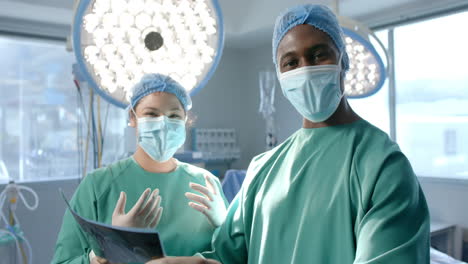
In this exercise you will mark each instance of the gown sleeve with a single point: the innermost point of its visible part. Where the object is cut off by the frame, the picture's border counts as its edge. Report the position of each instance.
(229, 240)
(394, 224)
(72, 245)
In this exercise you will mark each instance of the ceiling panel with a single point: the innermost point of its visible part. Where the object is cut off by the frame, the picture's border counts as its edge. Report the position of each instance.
(68, 4)
(249, 22)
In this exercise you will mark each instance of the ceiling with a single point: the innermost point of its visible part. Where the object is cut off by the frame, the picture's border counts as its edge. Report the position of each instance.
(250, 22)
(258, 16)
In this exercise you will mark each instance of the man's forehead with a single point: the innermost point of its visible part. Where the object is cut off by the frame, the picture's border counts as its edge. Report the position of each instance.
(305, 31)
(303, 36)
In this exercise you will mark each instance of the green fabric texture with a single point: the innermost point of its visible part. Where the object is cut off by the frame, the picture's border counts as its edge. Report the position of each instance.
(182, 230)
(340, 194)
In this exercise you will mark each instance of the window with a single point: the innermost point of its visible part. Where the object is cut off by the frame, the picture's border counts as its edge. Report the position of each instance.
(432, 95)
(43, 125)
(375, 108)
(431, 86)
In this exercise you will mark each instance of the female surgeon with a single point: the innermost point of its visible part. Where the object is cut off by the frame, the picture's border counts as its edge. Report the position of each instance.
(133, 192)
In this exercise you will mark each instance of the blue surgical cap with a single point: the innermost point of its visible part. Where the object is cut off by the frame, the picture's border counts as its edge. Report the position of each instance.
(318, 16)
(151, 83)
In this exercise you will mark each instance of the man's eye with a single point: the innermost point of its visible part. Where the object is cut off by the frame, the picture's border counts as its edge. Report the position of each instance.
(290, 63)
(320, 56)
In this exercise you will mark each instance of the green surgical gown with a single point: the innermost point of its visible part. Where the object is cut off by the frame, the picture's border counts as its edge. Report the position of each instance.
(340, 194)
(183, 230)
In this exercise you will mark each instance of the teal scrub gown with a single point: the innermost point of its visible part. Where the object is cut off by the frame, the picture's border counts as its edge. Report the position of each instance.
(182, 230)
(331, 195)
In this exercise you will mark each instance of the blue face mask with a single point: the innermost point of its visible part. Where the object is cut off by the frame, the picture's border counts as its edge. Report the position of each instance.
(160, 137)
(313, 90)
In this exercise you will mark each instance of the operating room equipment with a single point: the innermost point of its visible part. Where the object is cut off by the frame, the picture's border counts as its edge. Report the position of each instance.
(10, 230)
(267, 82)
(117, 42)
(216, 144)
(367, 71)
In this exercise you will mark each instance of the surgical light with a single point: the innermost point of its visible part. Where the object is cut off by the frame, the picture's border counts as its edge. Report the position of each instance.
(116, 42)
(367, 73)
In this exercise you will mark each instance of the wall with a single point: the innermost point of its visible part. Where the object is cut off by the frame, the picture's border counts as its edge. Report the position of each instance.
(226, 102)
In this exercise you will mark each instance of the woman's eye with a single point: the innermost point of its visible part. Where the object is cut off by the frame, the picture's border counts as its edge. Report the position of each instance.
(175, 116)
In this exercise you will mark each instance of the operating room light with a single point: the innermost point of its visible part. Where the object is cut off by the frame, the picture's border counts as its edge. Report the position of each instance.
(116, 42)
(367, 73)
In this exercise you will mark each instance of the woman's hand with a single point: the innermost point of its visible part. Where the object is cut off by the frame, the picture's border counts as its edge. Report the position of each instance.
(211, 204)
(146, 213)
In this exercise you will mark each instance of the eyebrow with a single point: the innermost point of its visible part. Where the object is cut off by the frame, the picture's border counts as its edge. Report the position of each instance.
(151, 108)
(318, 47)
(287, 54)
(176, 108)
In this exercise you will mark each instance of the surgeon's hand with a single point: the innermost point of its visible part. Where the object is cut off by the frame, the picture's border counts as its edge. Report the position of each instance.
(93, 259)
(211, 204)
(146, 212)
(183, 260)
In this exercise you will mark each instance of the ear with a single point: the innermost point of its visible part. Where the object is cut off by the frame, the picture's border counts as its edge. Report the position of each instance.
(131, 119)
(342, 80)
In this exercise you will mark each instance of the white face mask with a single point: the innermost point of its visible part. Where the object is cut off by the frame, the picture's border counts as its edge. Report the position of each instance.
(313, 90)
(160, 137)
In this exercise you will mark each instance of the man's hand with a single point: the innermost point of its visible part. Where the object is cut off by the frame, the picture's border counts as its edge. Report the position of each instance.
(93, 259)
